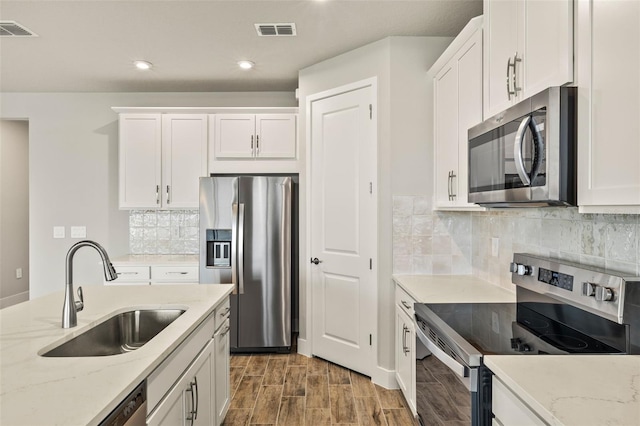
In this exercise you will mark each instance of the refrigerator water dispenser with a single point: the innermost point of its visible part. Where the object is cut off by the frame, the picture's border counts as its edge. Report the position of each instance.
(219, 248)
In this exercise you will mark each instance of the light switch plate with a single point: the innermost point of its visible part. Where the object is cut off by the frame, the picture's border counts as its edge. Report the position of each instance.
(78, 232)
(58, 232)
(18, 273)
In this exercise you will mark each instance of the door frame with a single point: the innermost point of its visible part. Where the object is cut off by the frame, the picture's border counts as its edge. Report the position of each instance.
(350, 87)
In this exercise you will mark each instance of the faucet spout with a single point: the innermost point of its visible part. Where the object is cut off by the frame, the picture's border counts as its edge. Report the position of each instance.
(70, 307)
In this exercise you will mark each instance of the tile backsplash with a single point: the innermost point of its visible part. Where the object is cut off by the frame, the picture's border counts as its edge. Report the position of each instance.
(163, 231)
(427, 242)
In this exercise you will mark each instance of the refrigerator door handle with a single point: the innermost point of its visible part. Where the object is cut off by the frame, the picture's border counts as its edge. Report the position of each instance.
(234, 245)
(240, 244)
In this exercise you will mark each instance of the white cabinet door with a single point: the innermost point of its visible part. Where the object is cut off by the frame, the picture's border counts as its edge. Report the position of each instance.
(184, 152)
(458, 106)
(547, 45)
(508, 409)
(501, 44)
(275, 136)
(190, 398)
(446, 132)
(609, 106)
(469, 110)
(221, 361)
(528, 48)
(405, 356)
(234, 135)
(140, 141)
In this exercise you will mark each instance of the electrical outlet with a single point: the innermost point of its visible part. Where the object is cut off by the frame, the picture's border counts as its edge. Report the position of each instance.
(495, 246)
(78, 232)
(18, 273)
(58, 232)
(495, 323)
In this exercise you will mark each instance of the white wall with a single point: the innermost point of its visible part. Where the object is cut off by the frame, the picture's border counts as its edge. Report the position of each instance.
(73, 171)
(14, 211)
(400, 65)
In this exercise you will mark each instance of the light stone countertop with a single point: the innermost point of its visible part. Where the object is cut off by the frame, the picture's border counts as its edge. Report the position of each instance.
(574, 390)
(453, 289)
(156, 260)
(35, 390)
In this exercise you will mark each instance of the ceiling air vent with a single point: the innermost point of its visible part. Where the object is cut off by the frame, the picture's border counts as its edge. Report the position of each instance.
(282, 30)
(13, 29)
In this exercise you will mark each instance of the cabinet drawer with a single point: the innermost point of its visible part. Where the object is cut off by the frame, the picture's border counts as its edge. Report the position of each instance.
(169, 274)
(222, 313)
(404, 301)
(509, 409)
(167, 373)
(131, 274)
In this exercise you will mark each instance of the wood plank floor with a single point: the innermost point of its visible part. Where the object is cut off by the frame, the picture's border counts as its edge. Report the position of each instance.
(291, 389)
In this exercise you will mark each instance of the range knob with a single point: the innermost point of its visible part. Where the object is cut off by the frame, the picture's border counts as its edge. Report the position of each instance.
(519, 346)
(588, 289)
(604, 294)
(520, 269)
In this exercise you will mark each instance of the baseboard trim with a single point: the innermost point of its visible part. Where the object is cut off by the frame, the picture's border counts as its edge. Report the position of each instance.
(304, 348)
(14, 299)
(385, 378)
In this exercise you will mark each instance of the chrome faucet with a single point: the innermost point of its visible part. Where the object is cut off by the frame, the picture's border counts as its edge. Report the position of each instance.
(70, 307)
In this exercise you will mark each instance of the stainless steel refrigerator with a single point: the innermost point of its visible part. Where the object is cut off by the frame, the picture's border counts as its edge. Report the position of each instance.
(248, 234)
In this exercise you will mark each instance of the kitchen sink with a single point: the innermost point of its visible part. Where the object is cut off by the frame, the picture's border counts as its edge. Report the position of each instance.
(121, 333)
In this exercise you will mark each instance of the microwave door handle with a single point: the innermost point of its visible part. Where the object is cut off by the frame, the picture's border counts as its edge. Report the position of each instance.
(517, 151)
(539, 147)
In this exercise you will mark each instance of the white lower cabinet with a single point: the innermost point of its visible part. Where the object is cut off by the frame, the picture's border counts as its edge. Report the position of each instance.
(405, 347)
(508, 409)
(221, 372)
(191, 387)
(190, 401)
(144, 275)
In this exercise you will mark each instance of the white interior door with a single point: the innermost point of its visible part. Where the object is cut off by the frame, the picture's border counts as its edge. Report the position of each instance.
(343, 229)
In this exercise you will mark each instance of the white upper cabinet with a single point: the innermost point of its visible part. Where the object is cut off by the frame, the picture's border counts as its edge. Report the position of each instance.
(161, 158)
(528, 47)
(184, 158)
(140, 144)
(457, 88)
(608, 60)
(255, 136)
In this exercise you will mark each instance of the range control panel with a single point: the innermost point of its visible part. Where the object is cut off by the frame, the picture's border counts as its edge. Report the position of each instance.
(594, 289)
(556, 279)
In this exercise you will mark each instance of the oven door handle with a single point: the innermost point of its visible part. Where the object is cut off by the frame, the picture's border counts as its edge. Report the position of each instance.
(459, 369)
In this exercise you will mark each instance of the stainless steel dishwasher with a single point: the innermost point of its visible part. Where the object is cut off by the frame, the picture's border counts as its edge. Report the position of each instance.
(132, 411)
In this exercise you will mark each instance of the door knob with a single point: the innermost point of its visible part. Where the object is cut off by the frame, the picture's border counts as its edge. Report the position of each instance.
(315, 261)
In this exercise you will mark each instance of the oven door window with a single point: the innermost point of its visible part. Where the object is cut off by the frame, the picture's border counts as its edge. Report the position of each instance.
(510, 156)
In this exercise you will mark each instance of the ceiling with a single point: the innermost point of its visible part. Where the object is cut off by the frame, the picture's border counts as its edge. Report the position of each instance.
(89, 45)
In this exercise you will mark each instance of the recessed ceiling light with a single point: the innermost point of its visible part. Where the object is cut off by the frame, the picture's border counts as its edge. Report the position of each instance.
(245, 65)
(143, 65)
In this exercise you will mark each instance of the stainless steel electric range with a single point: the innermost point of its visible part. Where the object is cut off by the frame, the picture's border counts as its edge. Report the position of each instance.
(561, 308)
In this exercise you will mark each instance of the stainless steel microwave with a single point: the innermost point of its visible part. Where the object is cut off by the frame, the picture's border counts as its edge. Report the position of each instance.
(526, 155)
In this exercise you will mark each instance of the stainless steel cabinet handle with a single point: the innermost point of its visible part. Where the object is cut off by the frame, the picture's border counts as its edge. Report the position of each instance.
(191, 412)
(157, 194)
(226, 330)
(449, 185)
(197, 397)
(516, 89)
(168, 195)
(127, 273)
(406, 348)
(225, 312)
(404, 338)
(252, 152)
(509, 92)
(453, 194)
(257, 145)
(405, 304)
(175, 273)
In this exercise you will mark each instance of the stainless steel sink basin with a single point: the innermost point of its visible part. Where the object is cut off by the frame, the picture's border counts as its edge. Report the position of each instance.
(124, 332)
